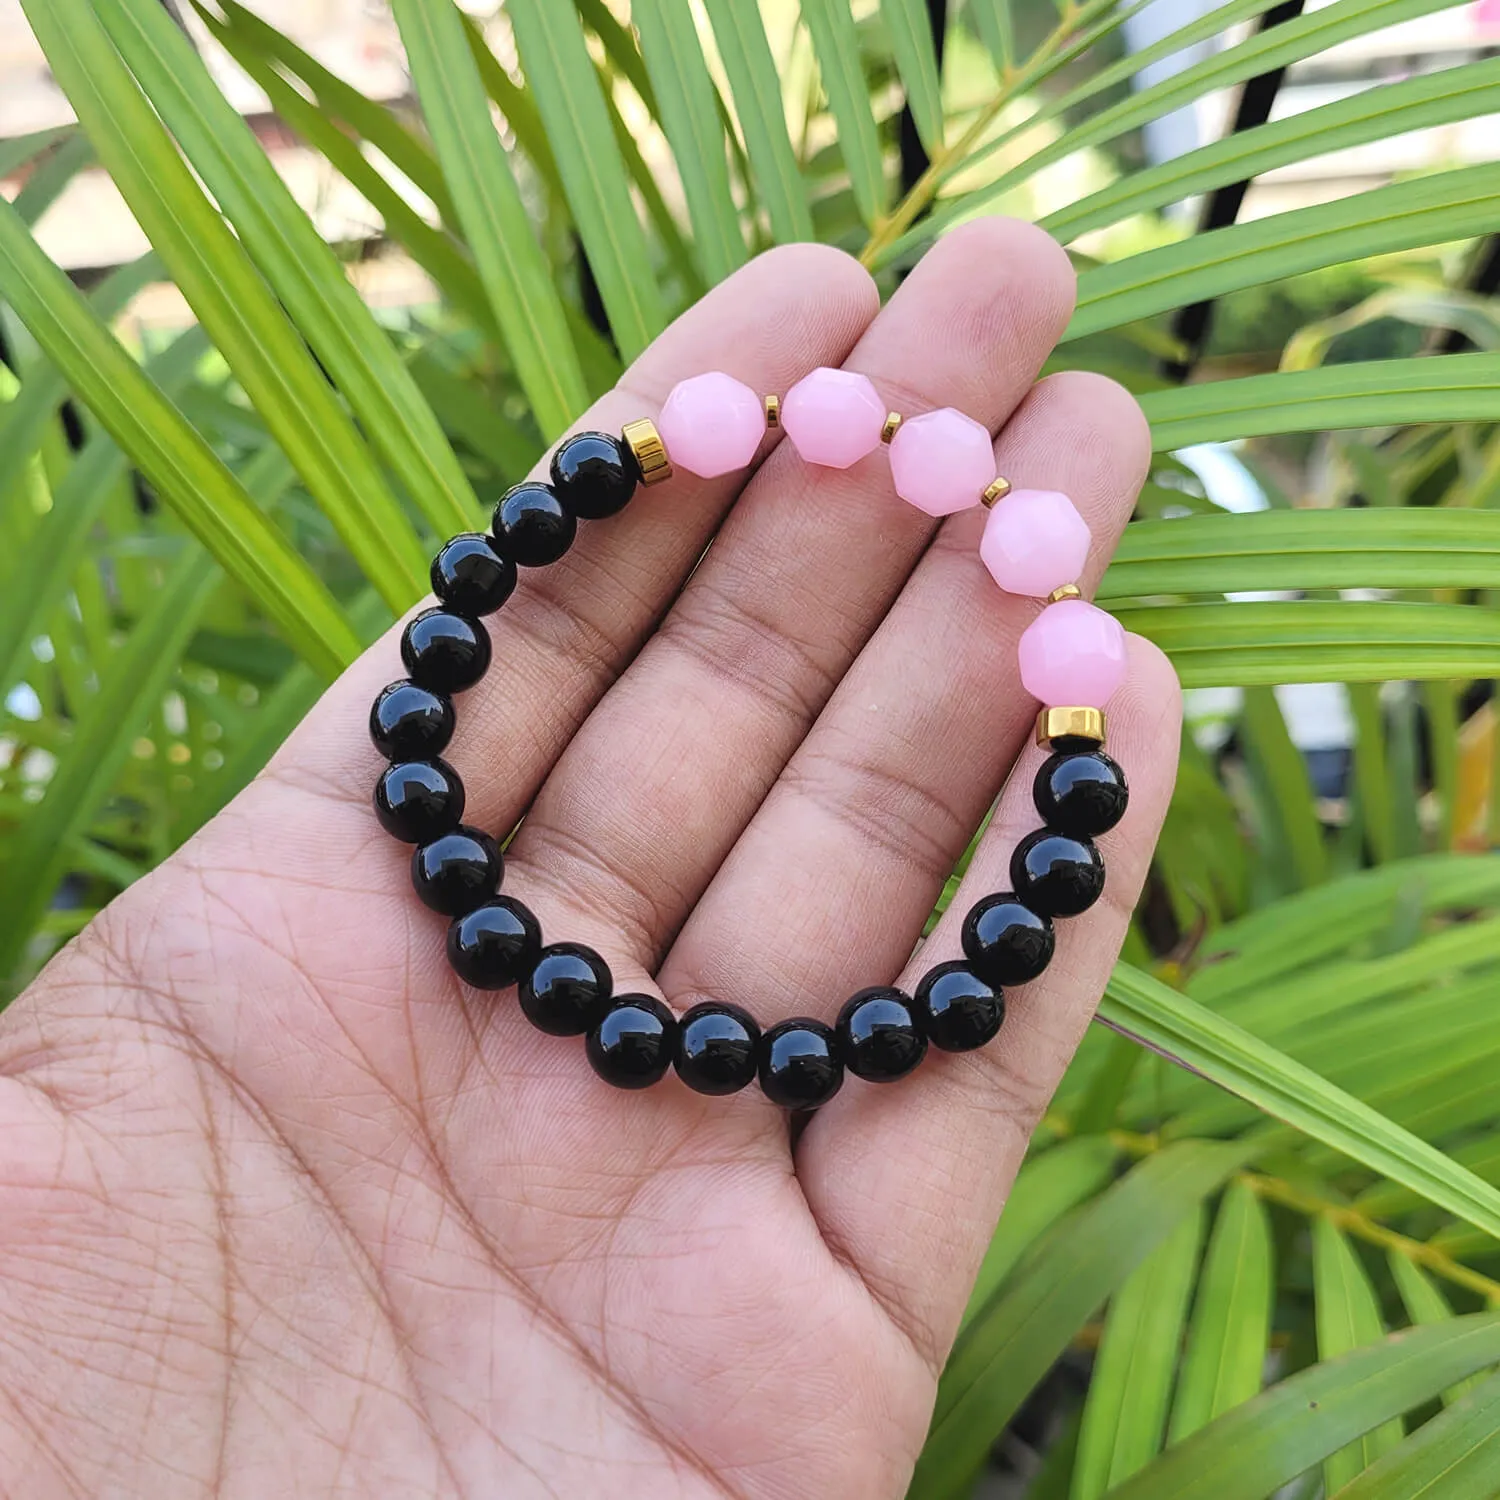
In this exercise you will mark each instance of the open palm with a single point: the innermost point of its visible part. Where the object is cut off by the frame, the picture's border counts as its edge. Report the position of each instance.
(285, 1209)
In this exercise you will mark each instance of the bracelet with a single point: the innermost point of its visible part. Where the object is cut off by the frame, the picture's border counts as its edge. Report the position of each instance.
(1035, 543)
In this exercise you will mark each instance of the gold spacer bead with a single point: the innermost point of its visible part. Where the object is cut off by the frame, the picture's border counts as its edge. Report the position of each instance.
(648, 450)
(1067, 591)
(893, 420)
(997, 489)
(1069, 724)
(773, 411)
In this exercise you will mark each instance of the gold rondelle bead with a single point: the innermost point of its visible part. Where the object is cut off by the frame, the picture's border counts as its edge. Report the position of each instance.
(1067, 591)
(773, 411)
(893, 420)
(648, 450)
(1069, 724)
(997, 489)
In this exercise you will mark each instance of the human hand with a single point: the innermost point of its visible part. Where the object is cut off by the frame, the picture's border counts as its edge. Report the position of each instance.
(285, 1209)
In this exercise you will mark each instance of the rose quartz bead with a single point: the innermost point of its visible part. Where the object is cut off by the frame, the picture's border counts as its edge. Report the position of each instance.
(833, 417)
(942, 461)
(712, 424)
(1035, 541)
(1073, 655)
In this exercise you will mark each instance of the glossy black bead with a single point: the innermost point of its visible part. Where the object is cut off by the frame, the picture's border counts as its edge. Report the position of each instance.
(457, 872)
(495, 945)
(1082, 793)
(531, 527)
(1005, 941)
(880, 1039)
(418, 800)
(800, 1066)
(408, 722)
(957, 1009)
(594, 475)
(1057, 874)
(469, 575)
(632, 1045)
(567, 991)
(716, 1048)
(445, 651)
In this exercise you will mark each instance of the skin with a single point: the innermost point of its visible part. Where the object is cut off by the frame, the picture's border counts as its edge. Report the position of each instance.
(284, 1208)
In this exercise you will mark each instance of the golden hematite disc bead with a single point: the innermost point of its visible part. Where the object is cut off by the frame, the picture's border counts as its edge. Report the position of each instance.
(893, 422)
(648, 450)
(1067, 591)
(996, 490)
(1069, 724)
(773, 412)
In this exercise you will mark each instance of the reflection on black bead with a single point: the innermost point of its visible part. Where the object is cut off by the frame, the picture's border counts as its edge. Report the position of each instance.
(957, 1009)
(417, 800)
(593, 475)
(1081, 793)
(531, 527)
(879, 1038)
(445, 651)
(469, 575)
(632, 1045)
(457, 872)
(496, 945)
(1006, 942)
(716, 1048)
(799, 1064)
(567, 990)
(1057, 874)
(408, 722)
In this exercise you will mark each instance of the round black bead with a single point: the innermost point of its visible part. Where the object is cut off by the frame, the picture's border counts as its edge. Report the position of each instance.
(567, 990)
(495, 945)
(418, 800)
(1081, 793)
(531, 527)
(799, 1064)
(445, 651)
(716, 1048)
(1056, 874)
(457, 872)
(408, 722)
(632, 1045)
(1006, 942)
(958, 1010)
(470, 576)
(879, 1038)
(594, 475)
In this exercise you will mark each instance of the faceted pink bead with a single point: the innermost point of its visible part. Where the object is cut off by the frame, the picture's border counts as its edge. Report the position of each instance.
(1073, 655)
(942, 461)
(712, 424)
(1035, 541)
(833, 417)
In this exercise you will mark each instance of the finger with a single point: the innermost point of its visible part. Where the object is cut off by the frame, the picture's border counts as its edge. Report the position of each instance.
(907, 1182)
(663, 778)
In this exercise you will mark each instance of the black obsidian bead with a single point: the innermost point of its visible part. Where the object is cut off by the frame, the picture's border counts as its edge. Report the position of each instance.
(957, 1009)
(445, 651)
(800, 1066)
(1006, 942)
(531, 527)
(716, 1048)
(495, 945)
(1081, 793)
(457, 872)
(632, 1045)
(567, 990)
(417, 800)
(469, 575)
(879, 1038)
(594, 476)
(1057, 874)
(408, 722)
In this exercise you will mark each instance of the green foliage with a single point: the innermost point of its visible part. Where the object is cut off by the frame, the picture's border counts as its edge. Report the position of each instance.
(1269, 1203)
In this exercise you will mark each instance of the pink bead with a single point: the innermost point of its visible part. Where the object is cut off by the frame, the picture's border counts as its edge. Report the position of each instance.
(833, 417)
(1035, 541)
(1073, 655)
(942, 461)
(712, 424)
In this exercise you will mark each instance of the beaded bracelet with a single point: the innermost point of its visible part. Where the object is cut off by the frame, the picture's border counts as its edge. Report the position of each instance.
(1034, 543)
